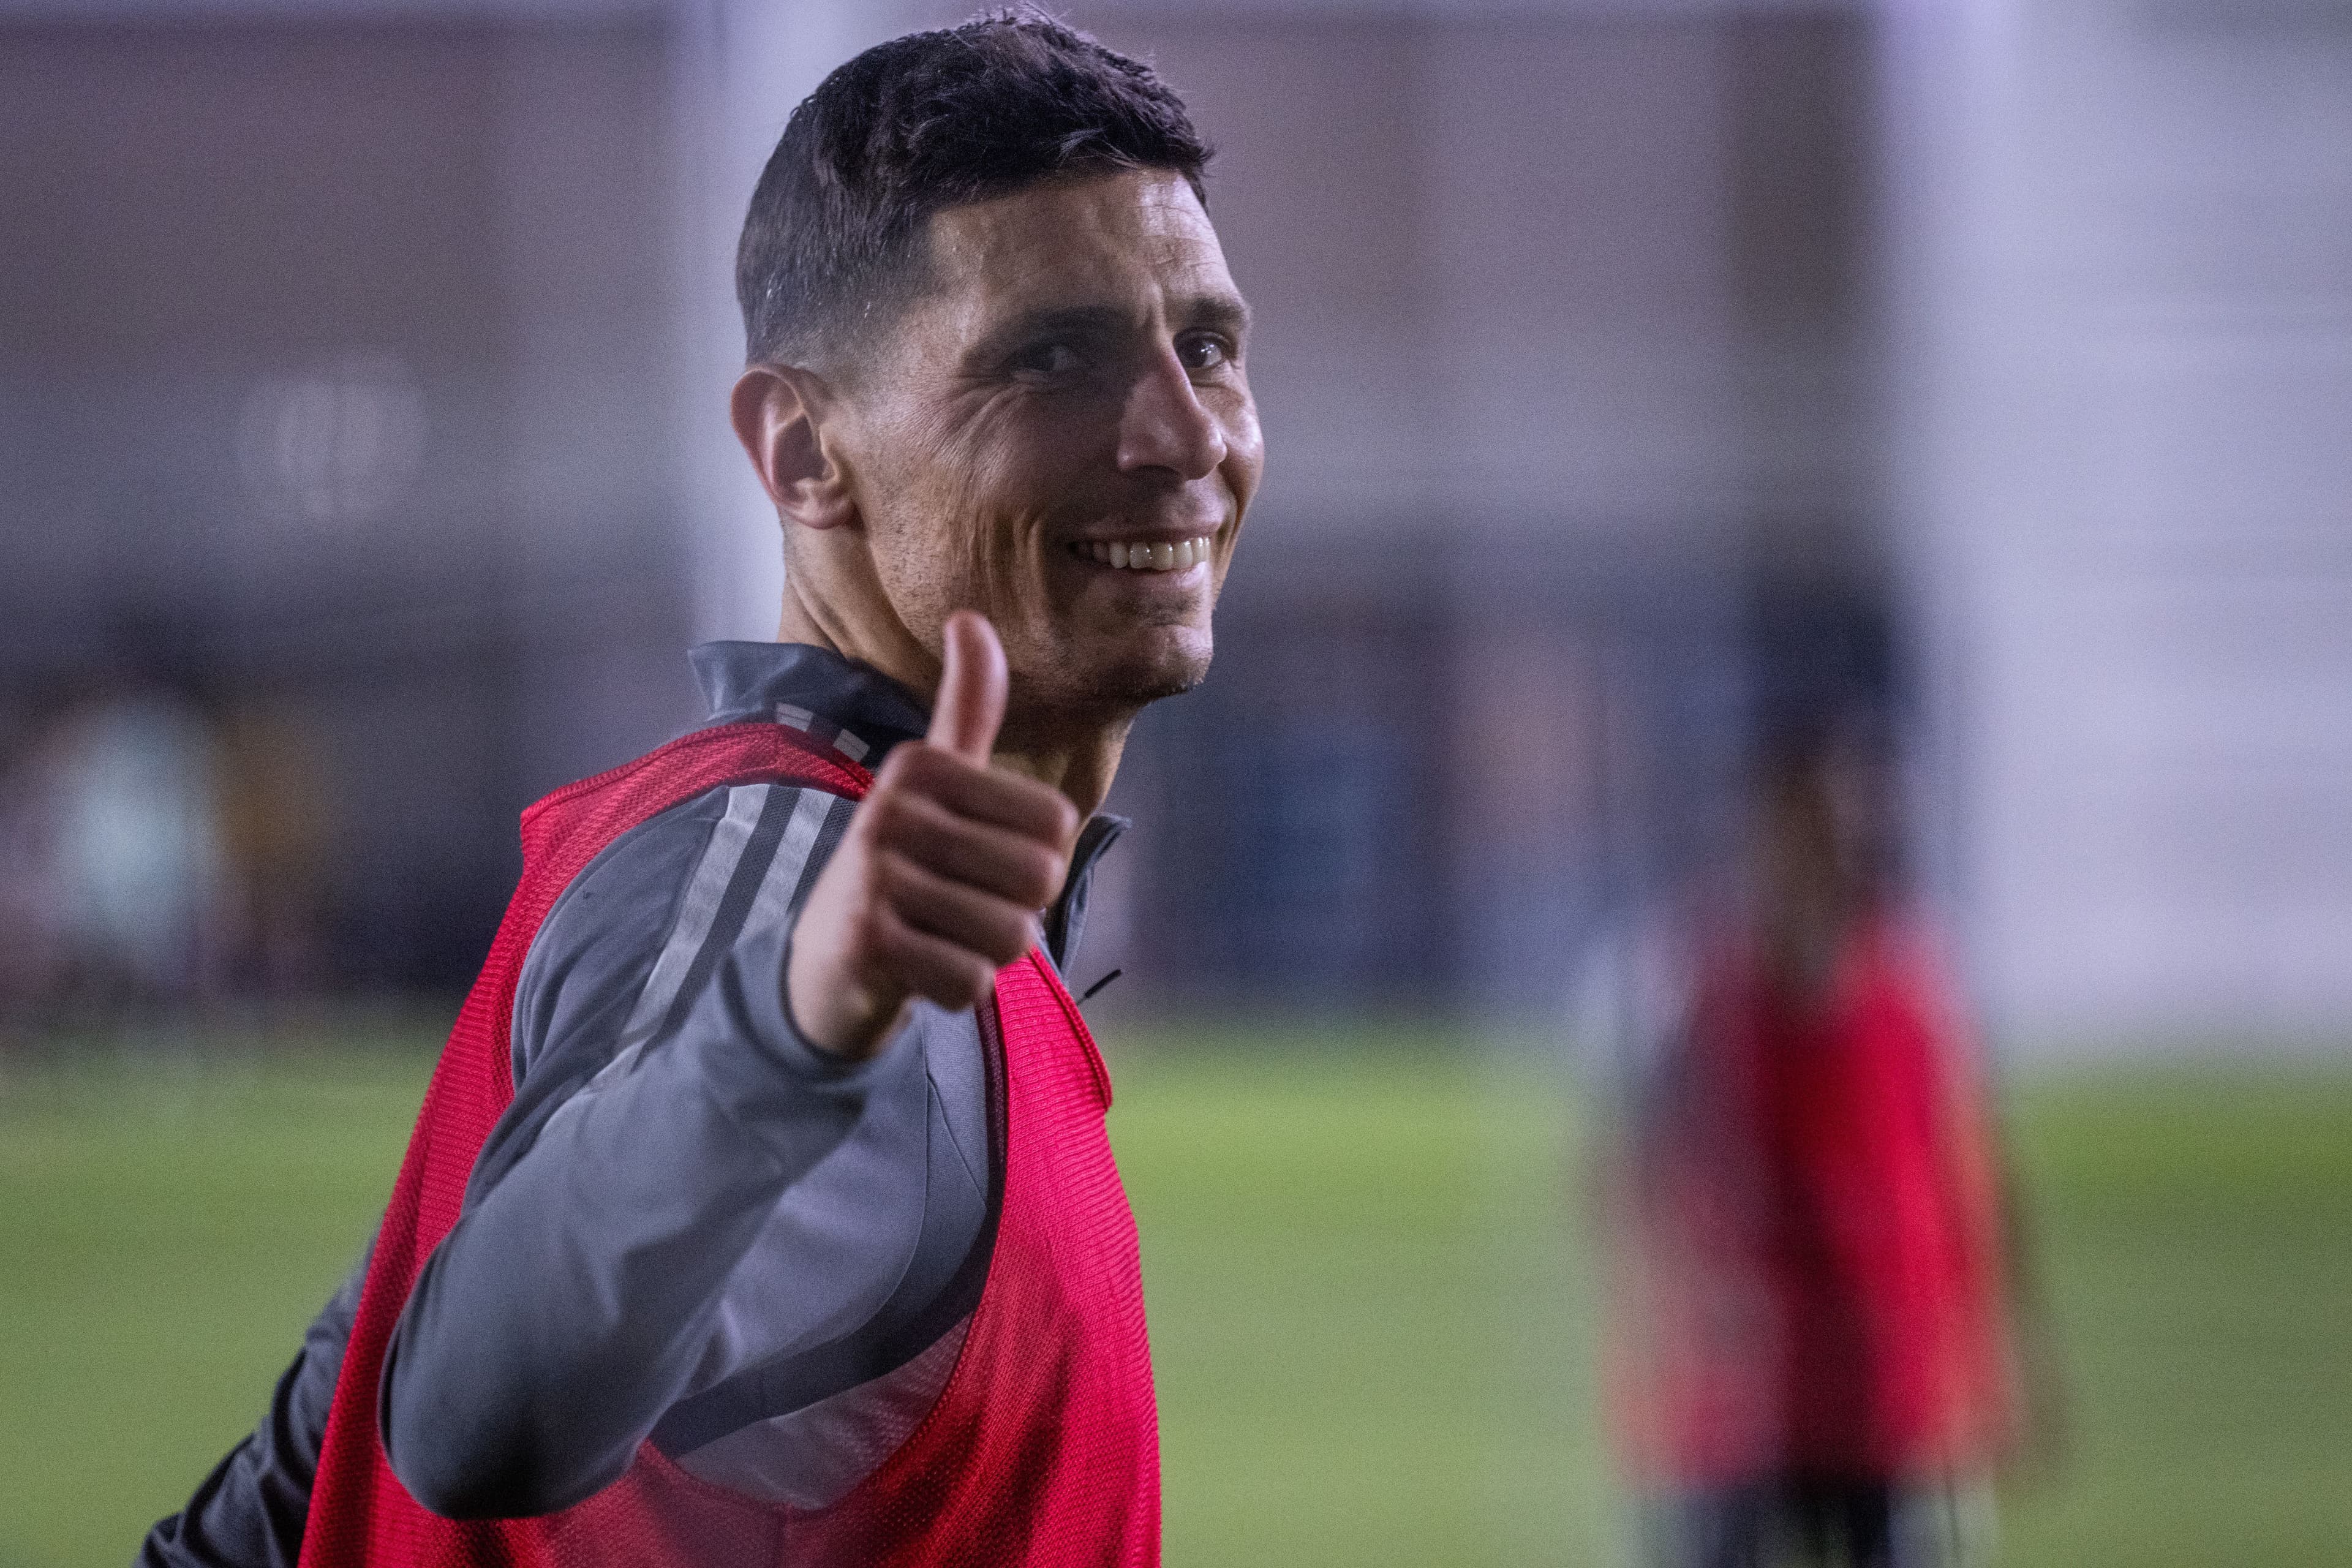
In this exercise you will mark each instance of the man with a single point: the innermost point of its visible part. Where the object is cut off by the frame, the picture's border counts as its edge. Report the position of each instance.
(1816, 1341)
(799, 1240)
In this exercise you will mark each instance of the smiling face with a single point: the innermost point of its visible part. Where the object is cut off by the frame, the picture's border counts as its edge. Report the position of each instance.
(1058, 432)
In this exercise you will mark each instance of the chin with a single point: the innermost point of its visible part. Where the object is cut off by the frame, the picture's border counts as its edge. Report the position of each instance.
(1168, 662)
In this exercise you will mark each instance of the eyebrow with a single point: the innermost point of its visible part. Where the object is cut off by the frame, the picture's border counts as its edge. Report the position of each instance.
(1223, 312)
(1218, 311)
(1080, 320)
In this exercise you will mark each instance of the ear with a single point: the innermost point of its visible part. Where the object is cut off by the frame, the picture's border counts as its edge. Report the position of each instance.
(780, 414)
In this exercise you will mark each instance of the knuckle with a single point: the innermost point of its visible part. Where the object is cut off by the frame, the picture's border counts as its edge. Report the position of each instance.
(1041, 877)
(884, 817)
(924, 764)
(869, 829)
(892, 774)
(954, 985)
(1011, 939)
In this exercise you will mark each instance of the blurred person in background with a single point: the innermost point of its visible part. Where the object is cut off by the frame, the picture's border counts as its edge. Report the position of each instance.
(761, 1208)
(110, 817)
(1811, 1344)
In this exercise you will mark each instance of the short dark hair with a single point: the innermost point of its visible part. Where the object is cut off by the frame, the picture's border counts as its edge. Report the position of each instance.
(836, 234)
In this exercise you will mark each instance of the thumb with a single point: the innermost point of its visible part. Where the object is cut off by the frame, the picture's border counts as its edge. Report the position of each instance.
(972, 690)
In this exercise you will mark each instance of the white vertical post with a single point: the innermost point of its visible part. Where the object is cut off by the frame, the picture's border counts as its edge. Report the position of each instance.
(2125, 377)
(742, 67)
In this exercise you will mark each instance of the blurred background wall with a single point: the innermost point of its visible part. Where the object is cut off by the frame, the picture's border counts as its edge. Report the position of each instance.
(334, 349)
(1639, 377)
(1629, 369)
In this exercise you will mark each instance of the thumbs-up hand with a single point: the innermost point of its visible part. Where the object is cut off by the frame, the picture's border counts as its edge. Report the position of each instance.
(940, 879)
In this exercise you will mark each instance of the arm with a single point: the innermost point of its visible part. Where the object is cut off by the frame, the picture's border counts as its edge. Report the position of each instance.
(665, 1104)
(250, 1512)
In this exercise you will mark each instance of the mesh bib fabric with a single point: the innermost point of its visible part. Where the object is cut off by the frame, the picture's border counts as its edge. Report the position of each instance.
(1042, 1450)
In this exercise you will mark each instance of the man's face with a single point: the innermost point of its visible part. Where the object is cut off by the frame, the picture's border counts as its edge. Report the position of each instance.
(1067, 395)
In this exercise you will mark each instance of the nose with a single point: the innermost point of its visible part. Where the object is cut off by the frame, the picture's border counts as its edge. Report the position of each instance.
(1163, 424)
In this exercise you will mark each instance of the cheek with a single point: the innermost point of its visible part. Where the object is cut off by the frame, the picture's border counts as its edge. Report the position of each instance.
(936, 527)
(1007, 504)
(1246, 452)
(973, 541)
(997, 532)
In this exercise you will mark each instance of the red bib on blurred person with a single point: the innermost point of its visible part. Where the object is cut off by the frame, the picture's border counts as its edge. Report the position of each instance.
(1042, 1450)
(1817, 1284)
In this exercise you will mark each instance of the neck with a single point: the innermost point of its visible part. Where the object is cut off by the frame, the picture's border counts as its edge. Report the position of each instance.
(1078, 758)
(1077, 755)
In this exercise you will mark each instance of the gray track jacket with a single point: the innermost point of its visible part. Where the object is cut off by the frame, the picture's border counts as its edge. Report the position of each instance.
(691, 1225)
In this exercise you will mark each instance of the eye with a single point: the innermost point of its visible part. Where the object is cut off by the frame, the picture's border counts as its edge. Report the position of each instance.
(1200, 352)
(1047, 361)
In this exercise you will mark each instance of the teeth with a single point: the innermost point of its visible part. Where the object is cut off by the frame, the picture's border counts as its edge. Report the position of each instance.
(1140, 556)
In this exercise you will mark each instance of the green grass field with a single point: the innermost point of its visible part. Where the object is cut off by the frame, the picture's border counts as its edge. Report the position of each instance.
(1370, 1301)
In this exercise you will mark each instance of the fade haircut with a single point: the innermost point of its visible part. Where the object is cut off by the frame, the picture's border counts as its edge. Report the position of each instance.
(835, 239)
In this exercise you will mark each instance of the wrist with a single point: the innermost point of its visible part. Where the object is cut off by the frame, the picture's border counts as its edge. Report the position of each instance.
(842, 1021)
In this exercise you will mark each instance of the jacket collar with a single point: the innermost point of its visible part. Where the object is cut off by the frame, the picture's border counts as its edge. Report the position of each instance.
(863, 713)
(807, 686)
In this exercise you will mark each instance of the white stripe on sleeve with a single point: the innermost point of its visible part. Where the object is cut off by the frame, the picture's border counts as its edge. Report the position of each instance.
(696, 910)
